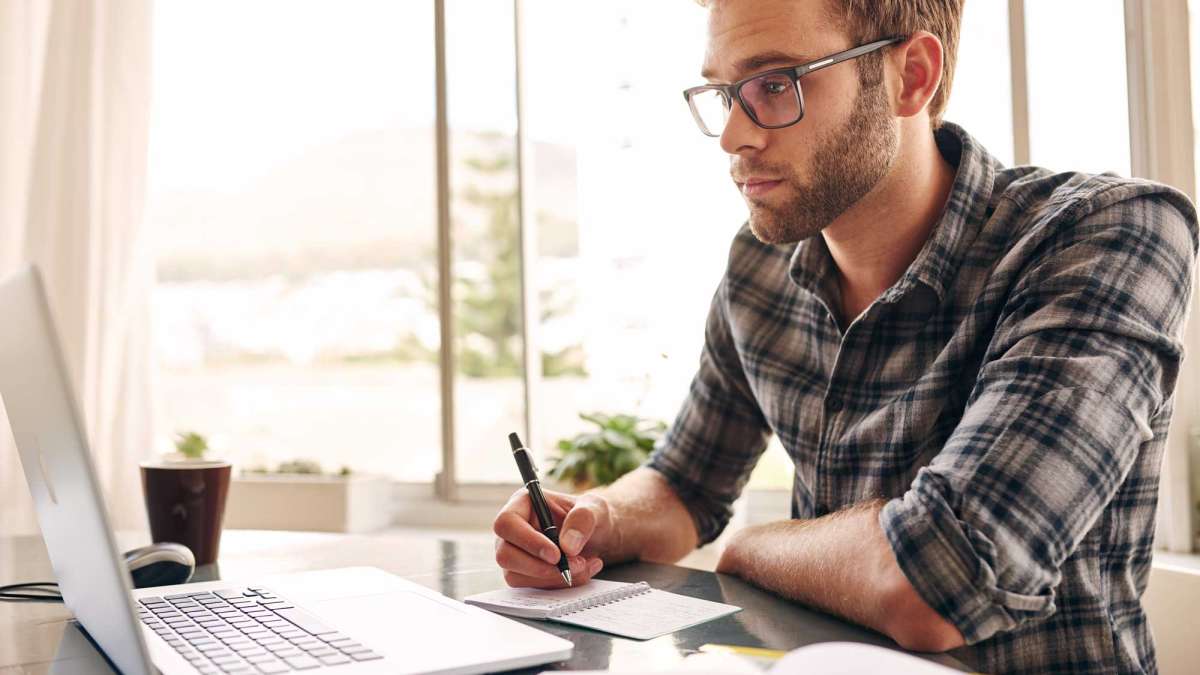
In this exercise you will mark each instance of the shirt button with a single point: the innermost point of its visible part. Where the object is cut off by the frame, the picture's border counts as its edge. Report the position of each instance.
(833, 404)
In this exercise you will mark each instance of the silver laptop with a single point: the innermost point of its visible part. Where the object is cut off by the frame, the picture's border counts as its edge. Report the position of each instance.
(343, 620)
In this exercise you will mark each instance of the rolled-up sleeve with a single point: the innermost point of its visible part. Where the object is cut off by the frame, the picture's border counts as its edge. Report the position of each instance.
(1085, 354)
(716, 439)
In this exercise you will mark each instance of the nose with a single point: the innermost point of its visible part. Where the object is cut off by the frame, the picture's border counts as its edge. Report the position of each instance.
(741, 135)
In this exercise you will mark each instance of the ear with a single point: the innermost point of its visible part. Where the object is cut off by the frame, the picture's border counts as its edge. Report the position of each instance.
(918, 62)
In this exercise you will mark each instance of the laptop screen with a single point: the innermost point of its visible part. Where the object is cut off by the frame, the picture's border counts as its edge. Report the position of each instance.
(58, 467)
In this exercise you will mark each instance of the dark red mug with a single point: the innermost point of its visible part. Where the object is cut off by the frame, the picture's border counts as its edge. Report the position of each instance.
(185, 502)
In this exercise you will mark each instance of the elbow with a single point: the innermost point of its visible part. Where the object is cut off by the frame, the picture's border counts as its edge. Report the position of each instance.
(931, 636)
(915, 626)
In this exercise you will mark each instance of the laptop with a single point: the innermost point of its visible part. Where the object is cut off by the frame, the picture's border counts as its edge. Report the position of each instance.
(348, 620)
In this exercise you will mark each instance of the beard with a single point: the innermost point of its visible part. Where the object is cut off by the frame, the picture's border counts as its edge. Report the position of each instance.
(847, 164)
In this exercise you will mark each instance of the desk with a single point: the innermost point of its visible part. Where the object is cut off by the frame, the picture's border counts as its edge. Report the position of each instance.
(38, 638)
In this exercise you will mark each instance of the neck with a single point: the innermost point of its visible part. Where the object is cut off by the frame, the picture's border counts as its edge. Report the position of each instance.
(876, 240)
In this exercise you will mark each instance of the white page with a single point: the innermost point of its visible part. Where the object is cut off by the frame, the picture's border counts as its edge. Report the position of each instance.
(848, 658)
(649, 615)
(536, 603)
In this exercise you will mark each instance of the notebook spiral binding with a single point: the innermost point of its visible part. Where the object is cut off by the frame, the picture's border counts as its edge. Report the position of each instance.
(615, 595)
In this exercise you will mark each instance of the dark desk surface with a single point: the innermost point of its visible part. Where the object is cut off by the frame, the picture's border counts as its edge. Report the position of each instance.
(38, 638)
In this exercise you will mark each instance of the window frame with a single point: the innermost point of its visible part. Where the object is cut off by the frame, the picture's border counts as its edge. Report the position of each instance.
(1160, 117)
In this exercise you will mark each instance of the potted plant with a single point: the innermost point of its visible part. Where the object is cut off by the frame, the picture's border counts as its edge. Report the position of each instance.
(186, 495)
(618, 445)
(299, 495)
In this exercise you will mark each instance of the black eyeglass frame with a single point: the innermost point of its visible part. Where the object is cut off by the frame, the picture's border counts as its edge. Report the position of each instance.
(732, 92)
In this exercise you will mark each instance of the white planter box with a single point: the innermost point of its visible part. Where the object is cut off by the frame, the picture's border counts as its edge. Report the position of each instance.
(311, 503)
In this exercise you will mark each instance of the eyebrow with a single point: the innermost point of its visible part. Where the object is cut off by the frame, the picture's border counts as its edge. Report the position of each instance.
(760, 61)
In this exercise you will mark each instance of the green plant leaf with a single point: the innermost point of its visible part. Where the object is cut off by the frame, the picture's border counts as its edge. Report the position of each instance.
(191, 444)
(622, 443)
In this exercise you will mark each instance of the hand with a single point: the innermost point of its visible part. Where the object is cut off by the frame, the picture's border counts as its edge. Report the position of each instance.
(529, 558)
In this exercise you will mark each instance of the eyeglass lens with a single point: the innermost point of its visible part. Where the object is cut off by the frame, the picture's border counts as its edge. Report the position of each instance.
(771, 99)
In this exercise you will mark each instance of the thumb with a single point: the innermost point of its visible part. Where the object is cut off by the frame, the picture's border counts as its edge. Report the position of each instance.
(578, 526)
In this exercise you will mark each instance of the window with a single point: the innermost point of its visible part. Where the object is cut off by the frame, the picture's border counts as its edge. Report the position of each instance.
(489, 392)
(981, 91)
(635, 210)
(1078, 100)
(294, 194)
(293, 201)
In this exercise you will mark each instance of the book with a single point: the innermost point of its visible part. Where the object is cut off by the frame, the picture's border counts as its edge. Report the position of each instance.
(630, 610)
(826, 658)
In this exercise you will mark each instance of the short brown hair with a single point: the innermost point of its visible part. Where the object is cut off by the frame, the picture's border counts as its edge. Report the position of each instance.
(867, 20)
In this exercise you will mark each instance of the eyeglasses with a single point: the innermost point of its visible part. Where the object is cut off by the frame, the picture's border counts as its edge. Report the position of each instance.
(772, 99)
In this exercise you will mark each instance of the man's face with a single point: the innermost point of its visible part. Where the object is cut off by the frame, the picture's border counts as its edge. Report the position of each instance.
(799, 179)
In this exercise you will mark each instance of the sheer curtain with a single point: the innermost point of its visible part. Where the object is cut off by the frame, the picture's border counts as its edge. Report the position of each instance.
(74, 111)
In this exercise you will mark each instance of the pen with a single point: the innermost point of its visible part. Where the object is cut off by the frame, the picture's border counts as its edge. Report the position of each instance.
(540, 507)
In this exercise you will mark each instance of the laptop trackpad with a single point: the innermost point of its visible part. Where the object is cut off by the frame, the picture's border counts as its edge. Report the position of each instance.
(386, 621)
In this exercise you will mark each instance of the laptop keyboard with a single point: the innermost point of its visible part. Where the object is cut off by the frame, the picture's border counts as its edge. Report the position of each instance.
(247, 630)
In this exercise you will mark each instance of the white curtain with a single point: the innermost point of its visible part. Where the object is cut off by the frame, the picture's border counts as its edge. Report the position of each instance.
(74, 121)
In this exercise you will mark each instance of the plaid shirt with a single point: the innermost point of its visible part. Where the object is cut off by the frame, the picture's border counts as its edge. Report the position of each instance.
(1010, 395)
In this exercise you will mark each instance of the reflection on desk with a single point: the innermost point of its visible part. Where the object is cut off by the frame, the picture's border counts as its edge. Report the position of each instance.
(39, 638)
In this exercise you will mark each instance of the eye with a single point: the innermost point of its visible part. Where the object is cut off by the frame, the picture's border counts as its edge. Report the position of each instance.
(776, 87)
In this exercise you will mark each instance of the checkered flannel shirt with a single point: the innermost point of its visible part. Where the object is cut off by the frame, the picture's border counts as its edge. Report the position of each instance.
(1009, 394)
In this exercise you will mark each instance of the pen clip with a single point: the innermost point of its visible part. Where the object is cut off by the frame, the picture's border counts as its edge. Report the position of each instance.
(532, 464)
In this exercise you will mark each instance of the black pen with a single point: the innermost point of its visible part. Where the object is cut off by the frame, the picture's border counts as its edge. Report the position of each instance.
(540, 507)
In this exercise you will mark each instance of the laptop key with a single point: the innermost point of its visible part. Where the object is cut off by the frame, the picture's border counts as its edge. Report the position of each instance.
(212, 650)
(302, 662)
(365, 656)
(271, 668)
(351, 649)
(202, 642)
(333, 659)
(304, 620)
(280, 646)
(306, 641)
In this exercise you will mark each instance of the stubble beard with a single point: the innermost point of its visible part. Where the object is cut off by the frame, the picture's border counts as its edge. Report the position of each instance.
(847, 165)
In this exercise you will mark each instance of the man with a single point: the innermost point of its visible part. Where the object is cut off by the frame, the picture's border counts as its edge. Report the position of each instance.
(971, 366)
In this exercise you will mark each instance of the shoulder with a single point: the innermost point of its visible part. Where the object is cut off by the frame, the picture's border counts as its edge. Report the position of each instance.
(1069, 207)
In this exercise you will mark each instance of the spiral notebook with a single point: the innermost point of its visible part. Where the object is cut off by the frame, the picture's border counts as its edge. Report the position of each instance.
(631, 610)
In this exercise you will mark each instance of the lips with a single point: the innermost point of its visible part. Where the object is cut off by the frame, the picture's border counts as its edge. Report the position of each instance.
(757, 185)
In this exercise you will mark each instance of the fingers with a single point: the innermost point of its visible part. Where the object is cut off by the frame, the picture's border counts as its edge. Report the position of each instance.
(559, 502)
(512, 525)
(580, 524)
(580, 574)
(513, 559)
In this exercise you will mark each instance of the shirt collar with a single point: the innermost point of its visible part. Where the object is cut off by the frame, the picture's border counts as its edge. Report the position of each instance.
(937, 263)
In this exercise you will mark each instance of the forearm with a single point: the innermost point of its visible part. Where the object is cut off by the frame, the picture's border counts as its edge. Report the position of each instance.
(649, 520)
(843, 564)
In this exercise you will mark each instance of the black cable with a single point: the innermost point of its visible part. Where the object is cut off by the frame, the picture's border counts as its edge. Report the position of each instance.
(36, 591)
